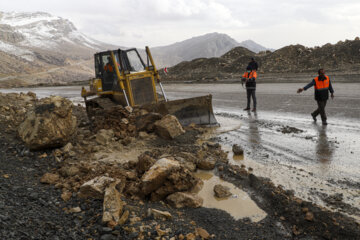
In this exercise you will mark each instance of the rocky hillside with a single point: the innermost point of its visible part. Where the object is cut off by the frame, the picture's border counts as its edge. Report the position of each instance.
(342, 58)
(40, 48)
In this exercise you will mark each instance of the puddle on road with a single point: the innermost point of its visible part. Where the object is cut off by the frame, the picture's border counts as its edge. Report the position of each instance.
(239, 205)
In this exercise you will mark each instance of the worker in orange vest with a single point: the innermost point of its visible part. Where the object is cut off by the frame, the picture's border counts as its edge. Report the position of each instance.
(322, 85)
(249, 77)
(109, 66)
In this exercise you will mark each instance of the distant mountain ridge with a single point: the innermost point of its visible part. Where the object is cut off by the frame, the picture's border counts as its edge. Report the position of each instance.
(204, 46)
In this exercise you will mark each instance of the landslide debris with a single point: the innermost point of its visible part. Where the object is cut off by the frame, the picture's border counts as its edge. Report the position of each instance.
(102, 187)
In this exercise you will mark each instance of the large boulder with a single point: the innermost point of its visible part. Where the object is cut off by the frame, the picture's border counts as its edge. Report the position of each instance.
(49, 124)
(168, 127)
(157, 174)
(184, 199)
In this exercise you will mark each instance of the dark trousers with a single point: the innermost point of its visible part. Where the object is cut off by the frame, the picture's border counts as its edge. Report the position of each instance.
(320, 110)
(251, 93)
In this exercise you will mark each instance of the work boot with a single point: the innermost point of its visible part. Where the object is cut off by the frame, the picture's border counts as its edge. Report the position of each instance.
(246, 109)
(324, 123)
(314, 117)
(253, 110)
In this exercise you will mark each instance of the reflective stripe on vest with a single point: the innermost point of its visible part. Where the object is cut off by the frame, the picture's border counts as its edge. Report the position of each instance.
(322, 85)
(252, 74)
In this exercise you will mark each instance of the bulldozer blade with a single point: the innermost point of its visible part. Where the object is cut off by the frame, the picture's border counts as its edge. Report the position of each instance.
(197, 110)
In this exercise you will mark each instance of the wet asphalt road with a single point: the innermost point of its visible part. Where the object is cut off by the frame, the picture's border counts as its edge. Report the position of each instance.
(311, 159)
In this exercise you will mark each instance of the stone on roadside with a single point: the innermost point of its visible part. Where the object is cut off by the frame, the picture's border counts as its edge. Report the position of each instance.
(184, 199)
(75, 210)
(156, 175)
(309, 216)
(112, 205)
(237, 150)
(95, 187)
(144, 163)
(124, 217)
(202, 233)
(50, 178)
(222, 191)
(66, 196)
(168, 127)
(50, 124)
(157, 214)
(207, 163)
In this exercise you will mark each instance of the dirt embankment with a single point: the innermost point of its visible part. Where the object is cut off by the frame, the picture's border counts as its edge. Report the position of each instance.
(129, 174)
(294, 63)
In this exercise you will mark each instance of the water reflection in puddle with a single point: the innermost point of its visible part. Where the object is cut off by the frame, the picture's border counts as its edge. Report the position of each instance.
(239, 205)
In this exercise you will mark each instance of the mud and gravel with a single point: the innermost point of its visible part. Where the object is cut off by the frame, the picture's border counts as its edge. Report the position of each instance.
(32, 210)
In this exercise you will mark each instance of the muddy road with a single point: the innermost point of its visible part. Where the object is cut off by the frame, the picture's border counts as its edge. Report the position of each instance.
(319, 163)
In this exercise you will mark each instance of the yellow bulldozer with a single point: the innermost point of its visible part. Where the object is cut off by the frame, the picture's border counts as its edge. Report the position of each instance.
(123, 77)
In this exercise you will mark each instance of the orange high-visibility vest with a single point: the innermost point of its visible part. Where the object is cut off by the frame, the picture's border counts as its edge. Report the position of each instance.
(108, 68)
(322, 85)
(251, 74)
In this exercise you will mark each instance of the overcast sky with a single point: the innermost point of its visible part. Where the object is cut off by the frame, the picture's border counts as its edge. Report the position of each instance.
(271, 23)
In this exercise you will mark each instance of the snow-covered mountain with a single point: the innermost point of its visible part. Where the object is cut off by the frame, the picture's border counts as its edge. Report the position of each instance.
(36, 47)
(21, 34)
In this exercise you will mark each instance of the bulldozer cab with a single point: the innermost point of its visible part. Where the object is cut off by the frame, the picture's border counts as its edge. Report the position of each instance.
(105, 67)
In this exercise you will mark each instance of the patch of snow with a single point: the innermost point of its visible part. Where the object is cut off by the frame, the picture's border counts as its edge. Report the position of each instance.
(24, 18)
(17, 51)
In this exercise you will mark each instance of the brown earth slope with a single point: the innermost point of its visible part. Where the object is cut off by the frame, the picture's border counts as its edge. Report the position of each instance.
(293, 62)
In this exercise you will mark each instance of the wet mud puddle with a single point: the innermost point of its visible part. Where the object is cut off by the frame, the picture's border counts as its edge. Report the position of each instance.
(239, 205)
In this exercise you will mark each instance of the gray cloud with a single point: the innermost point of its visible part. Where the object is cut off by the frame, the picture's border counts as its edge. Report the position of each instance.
(273, 23)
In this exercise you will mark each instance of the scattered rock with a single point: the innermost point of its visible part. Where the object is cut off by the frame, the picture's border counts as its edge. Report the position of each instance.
(309, 216)
(237, 150)
(112, 205)
(95, 188)
(66, 196)
(222, 191)
(124, 217)
(75, 210)
(157, 214)
(156, 175)
(168, 127)
(207, 163)
(50, 178)
(202, 233)
(184, 199)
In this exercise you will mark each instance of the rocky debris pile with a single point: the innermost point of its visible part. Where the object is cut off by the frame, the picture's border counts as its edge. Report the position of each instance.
(340, 57)
(50, 124)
